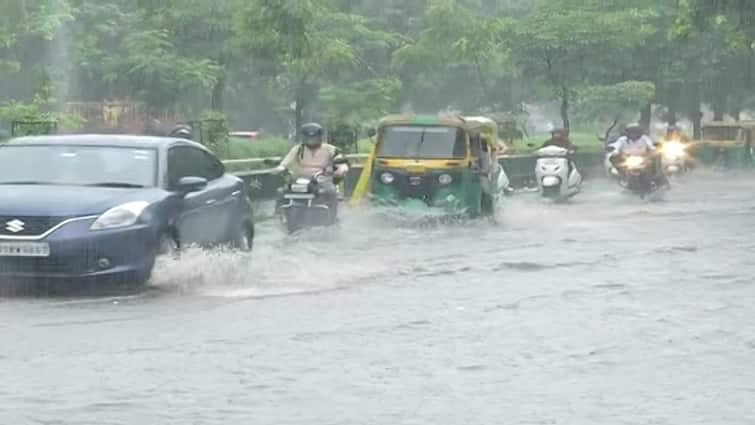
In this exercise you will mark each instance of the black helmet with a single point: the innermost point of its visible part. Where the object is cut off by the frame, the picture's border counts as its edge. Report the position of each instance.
(635, 129)
(312, 134)
(559, 131)
(182, 131)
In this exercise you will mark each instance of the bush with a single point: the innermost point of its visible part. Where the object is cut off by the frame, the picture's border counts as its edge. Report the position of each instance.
(242, 148)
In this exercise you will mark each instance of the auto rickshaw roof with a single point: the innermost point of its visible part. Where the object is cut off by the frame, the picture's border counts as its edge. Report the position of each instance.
(484, 125)
(730, 124)
(419, 119)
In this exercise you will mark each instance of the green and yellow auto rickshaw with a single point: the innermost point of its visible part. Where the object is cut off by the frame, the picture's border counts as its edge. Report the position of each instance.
(727, 144)
(443, 164)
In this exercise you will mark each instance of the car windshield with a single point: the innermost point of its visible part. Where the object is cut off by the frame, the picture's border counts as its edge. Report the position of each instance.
(78, 165)
(422, 142)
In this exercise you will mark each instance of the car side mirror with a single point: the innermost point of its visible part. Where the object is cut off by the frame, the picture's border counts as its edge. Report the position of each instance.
(371, 132)
(188, 185)
(609, 148)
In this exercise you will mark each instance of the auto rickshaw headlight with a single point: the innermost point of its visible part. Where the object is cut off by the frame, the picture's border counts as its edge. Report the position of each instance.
(445, 179)
(387, 178)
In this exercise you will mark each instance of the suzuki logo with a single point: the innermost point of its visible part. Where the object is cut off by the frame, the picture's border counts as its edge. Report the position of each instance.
(15, 226)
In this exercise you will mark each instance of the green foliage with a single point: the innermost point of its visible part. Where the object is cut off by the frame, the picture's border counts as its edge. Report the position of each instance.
(620, 102)
(358, 101)
(265, 63)
(213, 132)
(35, 112)
(241, 148)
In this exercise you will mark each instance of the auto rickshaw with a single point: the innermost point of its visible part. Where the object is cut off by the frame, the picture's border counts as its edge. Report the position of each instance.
(440, 164)
(727, 144)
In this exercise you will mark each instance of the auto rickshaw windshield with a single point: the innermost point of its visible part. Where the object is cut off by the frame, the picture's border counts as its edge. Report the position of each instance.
(418, 142)
(721, 133)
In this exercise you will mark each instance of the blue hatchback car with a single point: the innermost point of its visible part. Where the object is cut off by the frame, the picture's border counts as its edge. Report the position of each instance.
(105, 207)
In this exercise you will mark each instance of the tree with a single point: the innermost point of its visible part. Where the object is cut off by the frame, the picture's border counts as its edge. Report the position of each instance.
(563, 42)
(473, 46)
(304, 43)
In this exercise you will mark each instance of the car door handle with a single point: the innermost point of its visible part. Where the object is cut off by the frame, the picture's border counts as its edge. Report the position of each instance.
(210, 201)
(236, 193)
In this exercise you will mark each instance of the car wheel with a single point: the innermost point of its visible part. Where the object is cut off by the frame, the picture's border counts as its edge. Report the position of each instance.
(167, 252)
(168, 246)
(244, 238)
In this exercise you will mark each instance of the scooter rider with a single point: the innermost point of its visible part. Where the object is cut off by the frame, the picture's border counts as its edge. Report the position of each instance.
(182, 131)
(560, 138)
(674, 133)
(636, 142)
(314, 157)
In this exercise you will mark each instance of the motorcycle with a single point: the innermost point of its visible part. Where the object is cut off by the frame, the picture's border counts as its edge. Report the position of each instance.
(674, 157)
(638, 175)
(557, 179)
(302, 204)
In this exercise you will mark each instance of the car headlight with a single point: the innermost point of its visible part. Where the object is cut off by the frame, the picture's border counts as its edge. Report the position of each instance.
(121, 216)
(445, 179)
(387, 178)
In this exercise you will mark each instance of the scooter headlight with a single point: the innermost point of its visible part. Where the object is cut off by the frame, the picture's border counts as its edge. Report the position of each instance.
(387, 178)
(445, 179)
(673, 150)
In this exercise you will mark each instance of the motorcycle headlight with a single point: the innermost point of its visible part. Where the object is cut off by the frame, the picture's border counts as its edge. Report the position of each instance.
(445, 179)
(635, 161)
(387, 178)
(121, 216)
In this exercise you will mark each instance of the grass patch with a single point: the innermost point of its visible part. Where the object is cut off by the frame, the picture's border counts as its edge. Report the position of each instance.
(243, 148)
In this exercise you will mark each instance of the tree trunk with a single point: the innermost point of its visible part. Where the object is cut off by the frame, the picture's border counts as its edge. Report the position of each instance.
(693, 111)
(565, 108)
(483, 83)
(216, 103)
(299, 109)
(646, 115)
(671, 117)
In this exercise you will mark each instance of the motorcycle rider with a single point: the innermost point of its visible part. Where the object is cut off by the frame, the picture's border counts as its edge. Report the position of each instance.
(314, 157)
(621, 130)
(636, 142)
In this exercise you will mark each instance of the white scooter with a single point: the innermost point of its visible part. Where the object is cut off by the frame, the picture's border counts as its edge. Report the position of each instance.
(674, 157)
(554, 178)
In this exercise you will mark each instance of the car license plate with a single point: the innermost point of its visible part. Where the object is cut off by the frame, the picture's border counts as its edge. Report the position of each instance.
(24, 249)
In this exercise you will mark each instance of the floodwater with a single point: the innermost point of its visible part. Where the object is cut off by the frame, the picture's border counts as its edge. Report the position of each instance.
(608, 310)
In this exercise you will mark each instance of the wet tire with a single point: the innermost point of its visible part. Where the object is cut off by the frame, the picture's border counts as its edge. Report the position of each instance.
(293, 220)
(168, 249)
(244, 238)
(551, 192)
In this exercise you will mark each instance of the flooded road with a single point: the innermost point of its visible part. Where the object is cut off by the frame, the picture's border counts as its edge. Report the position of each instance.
(605, 311)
